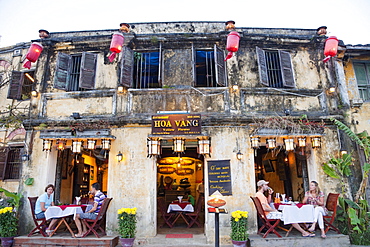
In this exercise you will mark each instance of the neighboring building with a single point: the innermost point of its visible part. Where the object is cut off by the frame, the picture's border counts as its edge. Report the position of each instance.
(170, 69)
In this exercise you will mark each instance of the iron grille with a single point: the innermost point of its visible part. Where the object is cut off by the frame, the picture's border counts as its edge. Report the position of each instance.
(274, 69)
(146, 70)
(14, 163)
(205, 69)
(74, 80)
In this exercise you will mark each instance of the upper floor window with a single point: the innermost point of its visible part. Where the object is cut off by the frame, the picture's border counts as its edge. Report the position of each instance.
(362, 72)
(209, 68)
(20, 85)
(275, 68)
(10, 162)
(75, 72)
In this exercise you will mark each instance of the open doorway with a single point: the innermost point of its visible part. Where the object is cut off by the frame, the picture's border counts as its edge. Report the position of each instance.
(180, 176)
(75, 173)
(285, 171)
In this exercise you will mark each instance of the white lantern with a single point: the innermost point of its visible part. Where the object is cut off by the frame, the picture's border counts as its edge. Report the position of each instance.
(204, 147)
(105, 144)
(316, 142)
(301, 142)
(154, 147)
(178, 145)
(46, 146)
(289, 144)
(271, 143)
(91, 144)
(255, 142)
(76, 146)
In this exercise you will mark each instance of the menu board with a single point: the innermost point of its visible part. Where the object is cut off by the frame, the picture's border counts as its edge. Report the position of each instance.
(219, 177)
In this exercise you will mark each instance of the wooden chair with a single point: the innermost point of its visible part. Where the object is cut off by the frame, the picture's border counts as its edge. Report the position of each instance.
(166, 216)
(40, 223)
(331, 206)
(194, 217)
(269, 224)
(97, 224)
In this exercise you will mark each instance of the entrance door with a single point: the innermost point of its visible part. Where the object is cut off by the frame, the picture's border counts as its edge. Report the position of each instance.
(75, 173)
(286, 172)
(179, 175)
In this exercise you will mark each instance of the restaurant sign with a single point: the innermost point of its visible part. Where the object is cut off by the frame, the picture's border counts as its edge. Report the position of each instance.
(219, 177)
(176, 124)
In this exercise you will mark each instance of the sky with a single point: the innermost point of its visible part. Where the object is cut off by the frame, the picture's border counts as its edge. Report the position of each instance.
(20, 20)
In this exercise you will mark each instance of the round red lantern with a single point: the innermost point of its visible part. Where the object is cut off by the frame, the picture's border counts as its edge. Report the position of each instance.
(116, 45)
(232, 44)
(33, 54)
(331, 48)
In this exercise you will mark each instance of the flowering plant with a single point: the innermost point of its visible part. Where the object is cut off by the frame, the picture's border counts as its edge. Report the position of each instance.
(239, 225)
(8, 222)
(127, 222)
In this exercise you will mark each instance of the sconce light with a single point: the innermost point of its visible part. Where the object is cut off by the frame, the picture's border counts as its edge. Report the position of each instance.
(271, 143)
(301, 142)
(343, 152)
(46, 146)
(204, 147)
(239, 155)
(235, 88)
(154, 147)
(255, 142)
(25, 157)
(119, 156)
(34, 93)
(120, 89)
(105, 144)
(61, 144)
(289, 144)
(178, 145)
(91, 144)
(331, 89)
(316, 142)
(76, 146)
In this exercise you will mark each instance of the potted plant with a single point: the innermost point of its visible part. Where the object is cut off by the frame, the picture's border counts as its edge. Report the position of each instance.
(127, 226)
(8, 226)
(239, 226)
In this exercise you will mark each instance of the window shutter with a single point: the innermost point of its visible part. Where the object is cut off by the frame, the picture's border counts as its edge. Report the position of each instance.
(220, 66)
(360, 72)
(3, 161)
(88, 68)
(194, 64)
(286, 69)
(61, 71)
(262, 66)
(127, 66)
(15, 86)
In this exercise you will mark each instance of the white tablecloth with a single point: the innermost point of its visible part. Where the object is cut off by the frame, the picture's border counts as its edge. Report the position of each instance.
(293, 214)
(176, 207)
(57, 212)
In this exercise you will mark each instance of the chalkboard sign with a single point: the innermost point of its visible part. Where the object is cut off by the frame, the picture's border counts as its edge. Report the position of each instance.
(219, 177)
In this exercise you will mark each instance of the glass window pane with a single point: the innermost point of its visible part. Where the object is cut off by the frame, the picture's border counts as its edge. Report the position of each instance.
(360, 71)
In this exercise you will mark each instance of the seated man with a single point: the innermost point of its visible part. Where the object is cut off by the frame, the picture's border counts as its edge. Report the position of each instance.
(92, 213)
(270, 212)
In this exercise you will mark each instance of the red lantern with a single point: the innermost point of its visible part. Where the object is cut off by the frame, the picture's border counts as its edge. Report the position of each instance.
(116, 45)
(33, 54)
(232, 44)
(331, 48)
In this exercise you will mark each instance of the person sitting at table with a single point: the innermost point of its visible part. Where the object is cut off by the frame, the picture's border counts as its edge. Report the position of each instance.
(316, 197)
(42, 203)
(93, 212)
(270, 212)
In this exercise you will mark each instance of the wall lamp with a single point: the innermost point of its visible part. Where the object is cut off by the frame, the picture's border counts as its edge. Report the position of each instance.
(204, 147)
(120, 89)
(61, 144)
(289, 144)
(25, 157)
(105, 144)
(301, 142)
(91, 144)
(119, 156)
(46, 145)
(316, 142)
(332, 89)
(154, 147)
(239, 155)
(76, 146)
(271, 143)
(235, 88)
(34, 93)
(178, 145)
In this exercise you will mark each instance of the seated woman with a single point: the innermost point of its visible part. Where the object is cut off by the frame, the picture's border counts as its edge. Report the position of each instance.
(316, 197)
(43, 202)
(93, 212)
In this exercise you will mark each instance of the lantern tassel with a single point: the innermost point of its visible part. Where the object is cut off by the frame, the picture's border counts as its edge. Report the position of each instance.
(326, 59)
(27, 64)
(229, 55)
(112, 56)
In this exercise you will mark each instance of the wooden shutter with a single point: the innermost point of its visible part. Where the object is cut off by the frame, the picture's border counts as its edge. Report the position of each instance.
(15, 85)
(286, 69)
(194, 64)
(88, 70)
(62, 71)
(262, 66)
(3, 161)
(220, 67)
(127, 66)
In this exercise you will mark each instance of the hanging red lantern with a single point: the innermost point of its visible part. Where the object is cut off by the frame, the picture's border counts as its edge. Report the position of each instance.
(116, 45)
(232, 44)
(331, 48)
(33, 54)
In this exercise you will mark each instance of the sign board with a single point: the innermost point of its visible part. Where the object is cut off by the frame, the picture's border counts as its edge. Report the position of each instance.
(219, 177)
(176, 124)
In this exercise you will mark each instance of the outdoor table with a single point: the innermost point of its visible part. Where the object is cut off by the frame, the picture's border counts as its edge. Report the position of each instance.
(62, 212)
(280, 206)
(300, 213)
(179, 208)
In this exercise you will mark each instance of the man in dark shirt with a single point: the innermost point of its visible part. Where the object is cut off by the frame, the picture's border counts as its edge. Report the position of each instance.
(93, 212)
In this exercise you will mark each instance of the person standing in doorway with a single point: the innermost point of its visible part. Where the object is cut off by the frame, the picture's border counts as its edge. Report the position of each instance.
(272, 213)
